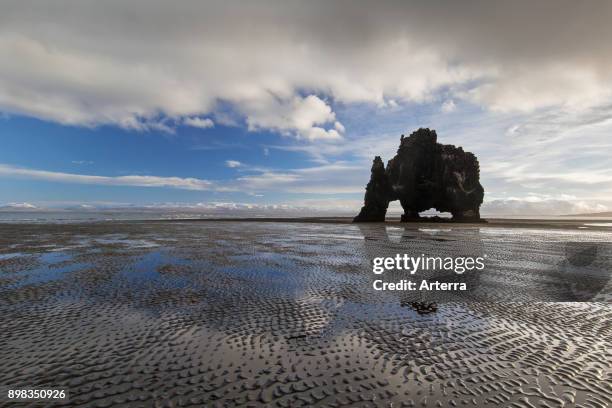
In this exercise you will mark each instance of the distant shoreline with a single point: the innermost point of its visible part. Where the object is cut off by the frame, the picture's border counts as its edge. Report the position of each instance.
(606, 214)
(490, 222)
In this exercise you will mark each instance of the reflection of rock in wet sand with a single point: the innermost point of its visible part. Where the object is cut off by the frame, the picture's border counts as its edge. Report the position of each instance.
(528, 265)
(239, 314)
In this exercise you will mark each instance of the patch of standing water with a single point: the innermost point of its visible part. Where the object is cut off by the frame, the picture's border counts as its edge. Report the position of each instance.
(49, 271)
(112, 239)
(10, 255)
(145, 271)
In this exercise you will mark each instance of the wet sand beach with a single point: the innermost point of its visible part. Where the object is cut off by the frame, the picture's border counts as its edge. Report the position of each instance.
(283, 313)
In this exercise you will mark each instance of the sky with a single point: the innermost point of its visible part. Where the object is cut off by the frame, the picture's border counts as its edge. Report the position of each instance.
(285, 103)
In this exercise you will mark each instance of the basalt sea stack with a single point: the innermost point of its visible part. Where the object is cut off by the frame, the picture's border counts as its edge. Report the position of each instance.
(424, 174)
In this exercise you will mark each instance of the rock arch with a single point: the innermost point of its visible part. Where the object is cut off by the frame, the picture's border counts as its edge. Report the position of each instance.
(424, 174)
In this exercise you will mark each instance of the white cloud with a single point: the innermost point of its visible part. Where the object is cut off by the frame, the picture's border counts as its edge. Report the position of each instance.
(448, 106)
(316, 133)
(567, 84)
(232, 163)
(20, 206)
(303, 115)
(520, 206)
(199, 122)
(335, 178)
(132, 180)
(268, 181)
(296, 208)
(86, 63)
(339, 127)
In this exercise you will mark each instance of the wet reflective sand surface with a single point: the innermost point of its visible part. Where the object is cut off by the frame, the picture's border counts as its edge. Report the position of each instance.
(199, 314)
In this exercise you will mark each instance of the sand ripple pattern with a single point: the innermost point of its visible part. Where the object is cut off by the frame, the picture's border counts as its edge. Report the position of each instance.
(224, 314)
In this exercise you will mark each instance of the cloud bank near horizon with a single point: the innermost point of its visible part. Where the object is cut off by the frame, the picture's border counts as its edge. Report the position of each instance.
(314, 180)
(515, 207)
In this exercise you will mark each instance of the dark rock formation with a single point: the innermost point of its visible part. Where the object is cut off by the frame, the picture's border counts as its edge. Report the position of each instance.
(424, 174)
(377, 194)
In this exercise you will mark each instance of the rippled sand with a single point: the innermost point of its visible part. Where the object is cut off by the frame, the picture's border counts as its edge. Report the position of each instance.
(284, 314)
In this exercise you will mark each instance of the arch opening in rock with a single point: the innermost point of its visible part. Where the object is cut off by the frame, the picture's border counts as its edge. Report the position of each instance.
(433, 213)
